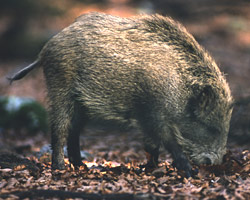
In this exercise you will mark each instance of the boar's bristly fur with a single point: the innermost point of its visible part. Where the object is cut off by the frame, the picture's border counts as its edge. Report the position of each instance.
(147, 69)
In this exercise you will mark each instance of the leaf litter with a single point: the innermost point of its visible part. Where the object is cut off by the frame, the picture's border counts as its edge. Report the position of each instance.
(121, 171)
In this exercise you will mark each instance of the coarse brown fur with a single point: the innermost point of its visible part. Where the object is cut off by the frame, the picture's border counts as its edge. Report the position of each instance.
(147, 69)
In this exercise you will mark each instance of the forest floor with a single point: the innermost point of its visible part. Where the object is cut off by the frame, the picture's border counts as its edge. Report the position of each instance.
(115, 170)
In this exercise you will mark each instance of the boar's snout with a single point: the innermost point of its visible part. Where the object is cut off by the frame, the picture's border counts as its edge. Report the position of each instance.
(209, 159)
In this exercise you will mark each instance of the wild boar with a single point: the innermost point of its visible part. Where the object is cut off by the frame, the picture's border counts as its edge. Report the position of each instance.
(147, 69)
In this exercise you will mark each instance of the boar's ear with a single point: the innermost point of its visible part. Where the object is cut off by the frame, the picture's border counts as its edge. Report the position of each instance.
(203, 101)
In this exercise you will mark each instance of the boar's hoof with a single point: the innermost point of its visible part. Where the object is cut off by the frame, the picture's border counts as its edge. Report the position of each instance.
(152, 159)
(77, 164)
(59, 166)
(182, 163)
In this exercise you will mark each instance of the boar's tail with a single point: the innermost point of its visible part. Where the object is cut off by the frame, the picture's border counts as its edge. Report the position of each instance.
(23, 72)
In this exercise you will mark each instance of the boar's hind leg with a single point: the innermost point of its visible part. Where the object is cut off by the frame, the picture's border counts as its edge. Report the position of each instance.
(59, 122)
(73, 137)
(64, 125)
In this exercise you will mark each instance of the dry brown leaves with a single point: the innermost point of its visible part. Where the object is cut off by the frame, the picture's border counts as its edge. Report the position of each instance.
(106, 178)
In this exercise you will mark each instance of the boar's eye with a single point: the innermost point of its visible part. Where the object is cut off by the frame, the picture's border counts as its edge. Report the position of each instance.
(202, 103)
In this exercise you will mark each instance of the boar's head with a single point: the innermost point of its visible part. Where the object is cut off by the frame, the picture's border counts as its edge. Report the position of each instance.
(203, 132)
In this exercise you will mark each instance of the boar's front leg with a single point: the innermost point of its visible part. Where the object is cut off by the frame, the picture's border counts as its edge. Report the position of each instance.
(180, 160)
(152, 152)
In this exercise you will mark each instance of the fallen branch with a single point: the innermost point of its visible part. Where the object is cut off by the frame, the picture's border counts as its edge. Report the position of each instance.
(33, 194)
